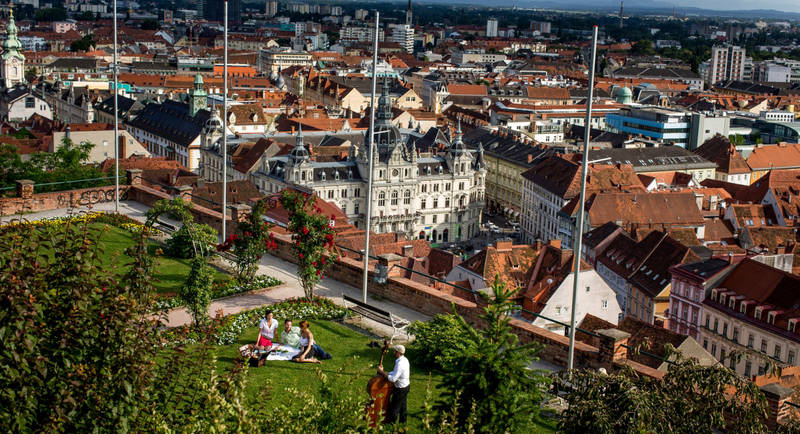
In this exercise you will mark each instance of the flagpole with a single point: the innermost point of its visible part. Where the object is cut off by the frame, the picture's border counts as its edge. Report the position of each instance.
(225, 124)
(371, 142)
(116, 117)
(576, 252)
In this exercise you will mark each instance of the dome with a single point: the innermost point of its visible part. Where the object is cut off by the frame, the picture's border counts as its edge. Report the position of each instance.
(11, 43)
(299, 153)
(624, 96)
(214, 123)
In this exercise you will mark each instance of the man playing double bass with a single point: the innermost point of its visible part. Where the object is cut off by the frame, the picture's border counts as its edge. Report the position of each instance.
(400, 377)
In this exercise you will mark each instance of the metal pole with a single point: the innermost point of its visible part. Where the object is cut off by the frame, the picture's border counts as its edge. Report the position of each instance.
(116, 118)
(371, 142)
(576, 252)
(225, 124)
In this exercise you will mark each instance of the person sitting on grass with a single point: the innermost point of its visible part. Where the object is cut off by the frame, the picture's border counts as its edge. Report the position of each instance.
(310, 352)
(290, 336)
(266, 331)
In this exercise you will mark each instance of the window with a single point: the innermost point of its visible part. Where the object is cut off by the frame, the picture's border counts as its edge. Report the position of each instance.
(747, 368)
(725, 330)
(344, 193)
(435, 188)
(758, 312)
(435, 219)
(708, 318)
(763, 346)
(777, 351)
(355, 209)
(771, 317)
(790, 359)
(714, 349)
(381, 199)
(722, 355)
(705, 344)
(716, 324)
(30, 102)
(436, 203)
(604, 304)
(762, 368)
(736, 334)
(750, 340)
(407, 197)
(394, 198)
(446, 186)
(330, 194)
(424, 188)
(356, 192)
(422, 204)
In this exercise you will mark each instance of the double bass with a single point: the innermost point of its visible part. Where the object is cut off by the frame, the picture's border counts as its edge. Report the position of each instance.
(379, 389)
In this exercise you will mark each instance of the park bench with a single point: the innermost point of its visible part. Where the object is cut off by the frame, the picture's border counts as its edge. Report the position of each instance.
(375, 314)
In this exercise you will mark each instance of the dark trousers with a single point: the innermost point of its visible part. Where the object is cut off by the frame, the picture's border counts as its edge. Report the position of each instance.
(397, 405)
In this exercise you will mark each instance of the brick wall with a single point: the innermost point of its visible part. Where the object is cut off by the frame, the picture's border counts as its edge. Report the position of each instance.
(28, 202)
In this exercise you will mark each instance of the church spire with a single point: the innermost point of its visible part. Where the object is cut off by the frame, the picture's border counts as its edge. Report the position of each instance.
(409, 16)
(13, 62)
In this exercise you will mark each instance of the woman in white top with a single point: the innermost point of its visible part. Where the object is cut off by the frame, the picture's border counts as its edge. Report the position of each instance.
(266, 331)
(309, 350)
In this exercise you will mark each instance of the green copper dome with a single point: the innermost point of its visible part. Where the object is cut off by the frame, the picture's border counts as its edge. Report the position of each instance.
(11, 45)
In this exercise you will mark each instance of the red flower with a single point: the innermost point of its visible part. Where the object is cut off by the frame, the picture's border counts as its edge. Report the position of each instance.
(318, 273)
(333, 217)
(314, 263)
(301, 256)
(305, 194)
(305, 230)
(322, 259)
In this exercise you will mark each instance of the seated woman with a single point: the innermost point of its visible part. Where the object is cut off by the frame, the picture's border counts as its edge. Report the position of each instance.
(309, 350)
(290, 336)
(266, 331)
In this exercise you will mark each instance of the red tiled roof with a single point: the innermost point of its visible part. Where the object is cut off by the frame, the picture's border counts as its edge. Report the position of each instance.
(768, 157)
(720, 150)
(548, 92)
(467, 89)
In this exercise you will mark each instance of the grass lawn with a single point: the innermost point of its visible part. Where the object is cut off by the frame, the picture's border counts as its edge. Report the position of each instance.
(170, 273)
(347, 346)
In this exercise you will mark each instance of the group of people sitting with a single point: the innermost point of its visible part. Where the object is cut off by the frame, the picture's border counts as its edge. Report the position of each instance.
(292, 336)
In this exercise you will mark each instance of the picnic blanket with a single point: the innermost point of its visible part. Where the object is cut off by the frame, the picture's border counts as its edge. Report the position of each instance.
(283, 352)
(278, 352)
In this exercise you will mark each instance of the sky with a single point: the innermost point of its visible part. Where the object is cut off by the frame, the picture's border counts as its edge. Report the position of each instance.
(781, 5)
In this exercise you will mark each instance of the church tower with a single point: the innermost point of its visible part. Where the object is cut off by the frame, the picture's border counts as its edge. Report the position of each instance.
(409, 16)
(197, 96)
(13, 62)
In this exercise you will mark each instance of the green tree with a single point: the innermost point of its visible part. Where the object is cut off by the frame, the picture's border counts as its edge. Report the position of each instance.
(440, 342)
(195, 294)
(491, 382)
(689, 399)
(182, 242)
(31, 74)
(85, 43)
(313, 236)
(86, 16)
(644, 47)
(249, 242)
(50, 14)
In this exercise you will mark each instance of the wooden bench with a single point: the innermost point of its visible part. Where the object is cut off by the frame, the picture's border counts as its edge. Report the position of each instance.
(166, 227)
(376, 314)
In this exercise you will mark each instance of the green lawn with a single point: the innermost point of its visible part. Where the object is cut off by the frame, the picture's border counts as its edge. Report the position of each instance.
(347, 346)
(170, 273)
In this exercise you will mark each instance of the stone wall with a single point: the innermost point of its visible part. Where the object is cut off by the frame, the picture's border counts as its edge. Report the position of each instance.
(28, 202)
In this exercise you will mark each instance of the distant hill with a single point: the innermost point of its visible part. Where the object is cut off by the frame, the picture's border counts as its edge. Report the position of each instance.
(631, 6)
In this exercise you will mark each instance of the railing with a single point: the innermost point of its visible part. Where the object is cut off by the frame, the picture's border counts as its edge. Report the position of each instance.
(96, 182)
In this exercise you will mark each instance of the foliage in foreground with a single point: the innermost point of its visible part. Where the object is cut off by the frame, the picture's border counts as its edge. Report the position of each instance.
(490, 381)
(77, 345)
(689, 399)
(180, 244)
(439, 343)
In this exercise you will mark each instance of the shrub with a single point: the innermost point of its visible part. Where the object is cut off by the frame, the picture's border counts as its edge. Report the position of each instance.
(439, 343)
(179, 245)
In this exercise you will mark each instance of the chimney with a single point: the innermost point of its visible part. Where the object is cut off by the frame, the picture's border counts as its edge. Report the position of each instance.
(555, 243)
(408, 251)
(310, 149)
(122, 146)
(530, 158)
(730, 257)
(292, 129)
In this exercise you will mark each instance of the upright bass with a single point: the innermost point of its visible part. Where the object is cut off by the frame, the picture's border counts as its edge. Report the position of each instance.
(379, 389)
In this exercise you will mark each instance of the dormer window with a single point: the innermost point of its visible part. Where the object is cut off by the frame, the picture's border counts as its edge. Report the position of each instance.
(743, 307)
(792, 325)
(722, 299)
(757, 314)
(732, 303)
(713, 295)
(322, 176)
(336, 175)
(771, 317)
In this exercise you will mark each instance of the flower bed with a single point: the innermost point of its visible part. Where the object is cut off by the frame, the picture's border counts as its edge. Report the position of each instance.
(231, 327)
(118, 220)
(293, 308)
(223, 289)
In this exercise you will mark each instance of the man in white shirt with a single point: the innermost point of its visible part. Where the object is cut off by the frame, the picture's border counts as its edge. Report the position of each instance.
(401, 378)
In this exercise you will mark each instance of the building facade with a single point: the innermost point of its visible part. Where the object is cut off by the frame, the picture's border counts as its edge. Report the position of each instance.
(727, 63)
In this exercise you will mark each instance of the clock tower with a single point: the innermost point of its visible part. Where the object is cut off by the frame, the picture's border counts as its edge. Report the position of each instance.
(12, 62)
